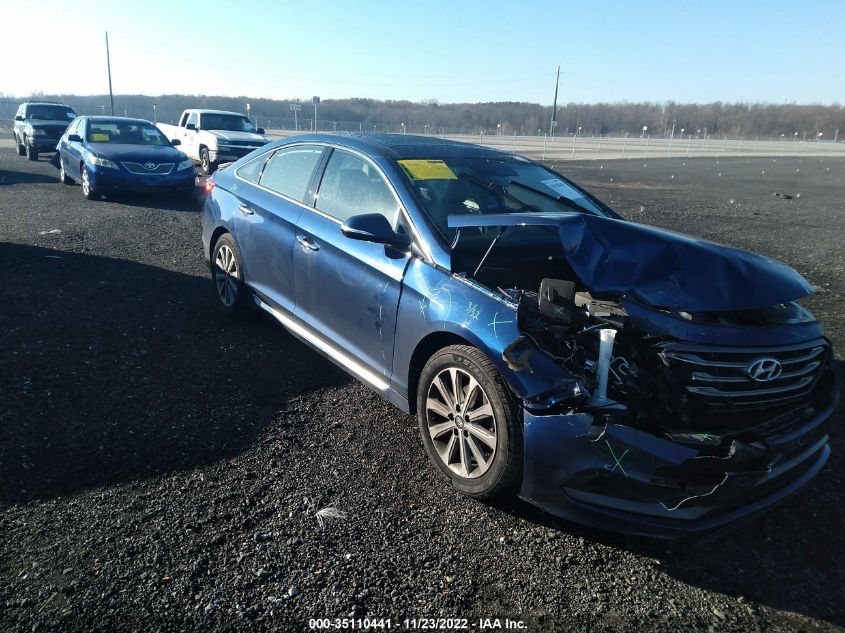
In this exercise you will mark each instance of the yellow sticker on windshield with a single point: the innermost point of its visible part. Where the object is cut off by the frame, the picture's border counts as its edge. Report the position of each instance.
(99, 138)
(427, 170)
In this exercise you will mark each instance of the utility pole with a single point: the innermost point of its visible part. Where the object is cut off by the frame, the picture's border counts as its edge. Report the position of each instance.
(108, 66)
(553, 123)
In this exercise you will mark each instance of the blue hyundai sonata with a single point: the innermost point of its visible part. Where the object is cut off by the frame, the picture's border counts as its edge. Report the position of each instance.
(611, 373)
(109, 155)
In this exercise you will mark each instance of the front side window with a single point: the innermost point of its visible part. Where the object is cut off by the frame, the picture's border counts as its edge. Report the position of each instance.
(289, 170)
(352, 186)
(192, 119)
(130, 133)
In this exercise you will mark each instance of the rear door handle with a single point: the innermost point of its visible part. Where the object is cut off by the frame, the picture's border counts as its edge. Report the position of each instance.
(243, 208)
(306, 243)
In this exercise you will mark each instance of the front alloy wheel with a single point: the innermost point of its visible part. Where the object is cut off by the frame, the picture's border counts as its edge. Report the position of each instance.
(461, 423)
(470, 423)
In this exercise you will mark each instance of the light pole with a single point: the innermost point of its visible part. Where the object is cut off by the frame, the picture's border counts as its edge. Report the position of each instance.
(575, 138)
(247, 112)
(403, 128)
(624, 142)
(316, 101)
(155, 120)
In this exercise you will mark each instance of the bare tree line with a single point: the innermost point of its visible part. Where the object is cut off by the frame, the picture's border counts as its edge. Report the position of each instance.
(720, 119)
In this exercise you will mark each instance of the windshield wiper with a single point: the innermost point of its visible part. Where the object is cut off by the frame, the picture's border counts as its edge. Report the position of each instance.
(561, 199)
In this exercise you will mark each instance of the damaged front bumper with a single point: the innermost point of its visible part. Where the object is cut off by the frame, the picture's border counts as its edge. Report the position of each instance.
(623, 479)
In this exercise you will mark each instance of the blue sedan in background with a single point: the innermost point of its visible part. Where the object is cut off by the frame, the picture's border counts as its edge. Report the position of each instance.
(115, 154)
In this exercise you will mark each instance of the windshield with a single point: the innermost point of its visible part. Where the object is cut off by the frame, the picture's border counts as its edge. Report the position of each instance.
(49, 113)
(128, 132)
(481, 186)
(228, 122)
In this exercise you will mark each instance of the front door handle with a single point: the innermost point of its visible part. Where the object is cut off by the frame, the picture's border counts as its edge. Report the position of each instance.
(243, 208)
(306, 243)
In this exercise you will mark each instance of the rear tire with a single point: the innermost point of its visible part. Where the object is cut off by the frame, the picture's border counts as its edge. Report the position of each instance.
(31, 152)
(63, 177)
(87, 189)
(228, 277)
(473, 431)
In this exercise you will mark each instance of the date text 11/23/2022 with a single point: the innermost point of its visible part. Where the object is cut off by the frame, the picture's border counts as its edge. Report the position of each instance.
(417, 624)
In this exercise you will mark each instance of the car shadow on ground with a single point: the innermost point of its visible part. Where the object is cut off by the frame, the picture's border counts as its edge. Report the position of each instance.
(788, 558)
(164, 201)
(14, 177)
(112, 370)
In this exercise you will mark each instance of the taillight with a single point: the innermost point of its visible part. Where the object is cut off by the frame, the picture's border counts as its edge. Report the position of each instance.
(209, 184)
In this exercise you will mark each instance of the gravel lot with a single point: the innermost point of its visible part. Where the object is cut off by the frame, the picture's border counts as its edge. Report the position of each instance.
(161, 467)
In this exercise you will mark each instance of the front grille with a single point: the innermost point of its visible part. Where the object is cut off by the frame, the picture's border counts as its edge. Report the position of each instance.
(249, 144)
(720, 377)
(158, 169)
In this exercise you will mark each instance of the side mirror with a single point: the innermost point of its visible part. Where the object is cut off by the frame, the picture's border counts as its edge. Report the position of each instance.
(74, 138)
(260, 130)
(19, 118)
(191, 126)
(175, 142)
(374, 227)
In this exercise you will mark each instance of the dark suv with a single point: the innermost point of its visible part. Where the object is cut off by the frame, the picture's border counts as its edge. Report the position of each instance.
(39, 125)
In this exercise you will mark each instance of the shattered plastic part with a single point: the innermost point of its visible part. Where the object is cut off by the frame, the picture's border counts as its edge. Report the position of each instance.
(616, 258)
(616, 477)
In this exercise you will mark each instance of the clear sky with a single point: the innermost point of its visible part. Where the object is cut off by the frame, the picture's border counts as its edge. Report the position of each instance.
(449, 50)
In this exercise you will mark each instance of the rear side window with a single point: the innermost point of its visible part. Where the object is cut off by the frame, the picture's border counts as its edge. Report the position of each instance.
(289, 170)
(252, 170)
(352, 186)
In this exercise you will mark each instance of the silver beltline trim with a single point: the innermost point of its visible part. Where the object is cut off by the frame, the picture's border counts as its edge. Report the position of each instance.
(361, 372)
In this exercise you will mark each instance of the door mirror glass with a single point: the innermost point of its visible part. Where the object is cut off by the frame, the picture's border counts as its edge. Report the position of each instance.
(19, 118)
(175, 142)
(374, 227)
(191, 126)
(260, 130)
(74, 138)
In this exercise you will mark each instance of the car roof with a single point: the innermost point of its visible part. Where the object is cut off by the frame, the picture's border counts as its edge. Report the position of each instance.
(122, 119)
(46, 103)
(407, 146)
(203, 111)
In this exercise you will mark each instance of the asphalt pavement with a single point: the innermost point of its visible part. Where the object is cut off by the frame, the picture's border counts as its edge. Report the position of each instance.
(165, 469)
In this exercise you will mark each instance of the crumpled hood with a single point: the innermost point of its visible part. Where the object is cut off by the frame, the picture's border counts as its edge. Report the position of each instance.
(229, 135)
(615, 258)
(137, 153)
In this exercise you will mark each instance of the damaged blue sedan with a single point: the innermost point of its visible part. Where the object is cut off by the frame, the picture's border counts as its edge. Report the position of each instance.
(614, 374)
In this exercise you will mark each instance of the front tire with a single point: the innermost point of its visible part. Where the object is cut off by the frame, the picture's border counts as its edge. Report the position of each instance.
(87, 188)
(228, 276)
(31, 152)
(21, 146)
(206, 166)
(470, 423)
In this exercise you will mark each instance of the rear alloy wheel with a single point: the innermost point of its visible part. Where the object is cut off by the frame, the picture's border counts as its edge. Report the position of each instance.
(227, 272)
(87, 189)
(31, 152)
(63, 177)
(469, 422)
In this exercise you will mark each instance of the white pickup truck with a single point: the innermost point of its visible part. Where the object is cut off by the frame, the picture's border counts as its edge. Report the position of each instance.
(211, 137)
